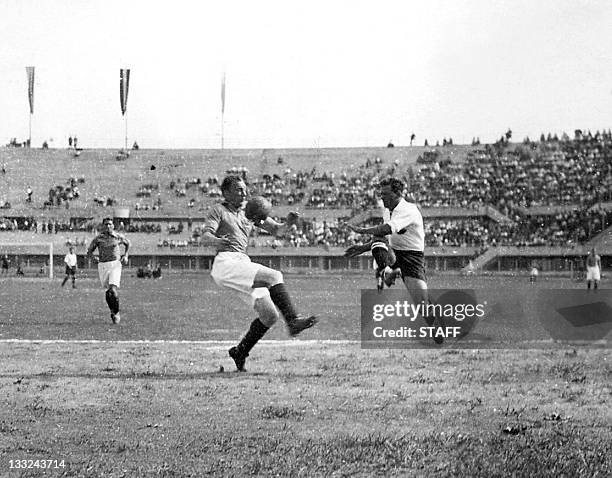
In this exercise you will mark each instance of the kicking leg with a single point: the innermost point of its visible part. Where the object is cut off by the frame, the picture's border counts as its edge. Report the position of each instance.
(385, 258)
(274, 281)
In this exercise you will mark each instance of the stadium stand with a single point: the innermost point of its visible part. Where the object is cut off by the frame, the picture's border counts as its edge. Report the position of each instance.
(551, 193)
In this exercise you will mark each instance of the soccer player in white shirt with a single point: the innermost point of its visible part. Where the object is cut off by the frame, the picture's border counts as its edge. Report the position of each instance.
(71, 265)
(593, 268)
(404, 257)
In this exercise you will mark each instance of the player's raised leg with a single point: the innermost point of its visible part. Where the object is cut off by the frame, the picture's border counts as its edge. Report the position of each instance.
(273, 280)
(385, 258)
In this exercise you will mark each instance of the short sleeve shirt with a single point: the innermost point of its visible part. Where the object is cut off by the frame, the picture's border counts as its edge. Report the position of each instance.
(406, 222)
(108, 246)
(70, 260)
(593, 261)
(233, 224)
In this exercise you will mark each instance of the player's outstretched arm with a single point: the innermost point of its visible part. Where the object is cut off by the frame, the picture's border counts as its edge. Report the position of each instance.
(270, 225)
(381, 230)
(277, 228)
(357, 249)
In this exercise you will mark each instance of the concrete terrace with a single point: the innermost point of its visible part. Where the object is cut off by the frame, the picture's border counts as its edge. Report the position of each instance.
(105, 176)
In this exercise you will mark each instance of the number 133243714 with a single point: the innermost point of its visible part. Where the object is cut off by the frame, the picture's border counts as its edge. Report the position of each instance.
(43, 464)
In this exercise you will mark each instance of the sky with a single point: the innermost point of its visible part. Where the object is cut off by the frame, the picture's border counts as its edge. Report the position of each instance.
(315, 73)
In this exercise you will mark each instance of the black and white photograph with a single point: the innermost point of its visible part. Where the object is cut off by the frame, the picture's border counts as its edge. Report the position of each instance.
(307, 238)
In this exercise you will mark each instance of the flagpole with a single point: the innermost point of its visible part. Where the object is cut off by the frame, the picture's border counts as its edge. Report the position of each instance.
(124, 85)
(223, 111)
(30, 73)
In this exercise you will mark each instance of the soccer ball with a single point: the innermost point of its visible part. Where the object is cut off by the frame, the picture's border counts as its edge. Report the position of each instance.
(257, 209)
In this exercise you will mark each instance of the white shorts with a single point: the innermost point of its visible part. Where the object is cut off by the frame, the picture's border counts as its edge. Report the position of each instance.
(109, 273)
(235, 270)
(593, 273)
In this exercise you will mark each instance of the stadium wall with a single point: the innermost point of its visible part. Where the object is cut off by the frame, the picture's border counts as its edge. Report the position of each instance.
(332, 260)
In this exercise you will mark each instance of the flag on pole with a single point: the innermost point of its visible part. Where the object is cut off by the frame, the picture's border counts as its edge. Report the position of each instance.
(124, 85)
(223, 94)
(30, 72)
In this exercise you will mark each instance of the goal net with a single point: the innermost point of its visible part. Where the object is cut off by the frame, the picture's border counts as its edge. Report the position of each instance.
(28, 259)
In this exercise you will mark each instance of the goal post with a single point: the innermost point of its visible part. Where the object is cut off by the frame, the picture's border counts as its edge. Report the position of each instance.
(31, 259)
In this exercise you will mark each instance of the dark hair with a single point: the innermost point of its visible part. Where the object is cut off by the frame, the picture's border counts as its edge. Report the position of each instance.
(107, 219)
(397, 186)
(229, 181)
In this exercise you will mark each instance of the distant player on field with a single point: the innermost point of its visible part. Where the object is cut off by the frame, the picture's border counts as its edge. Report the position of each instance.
(71, 265)
(533, 274)
(593, 269)
(402, 254)
(5, 265)
(228, 229)
(108, 243)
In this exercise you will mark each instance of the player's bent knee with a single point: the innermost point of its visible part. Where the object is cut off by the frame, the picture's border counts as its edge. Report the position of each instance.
(268, 315)
(267, 277)
(380, 252)
(277, 278)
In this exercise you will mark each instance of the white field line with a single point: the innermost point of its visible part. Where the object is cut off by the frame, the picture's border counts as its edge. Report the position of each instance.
(279, 343)
(266, 343)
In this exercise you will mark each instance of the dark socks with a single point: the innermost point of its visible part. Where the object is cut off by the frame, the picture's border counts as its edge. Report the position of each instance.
(380, 252)
(112, 300)
(280, 297)
(256, 331)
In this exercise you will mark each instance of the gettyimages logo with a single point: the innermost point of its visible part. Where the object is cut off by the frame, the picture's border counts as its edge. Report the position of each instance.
(391, 320)
(490, 318)
(459, 312)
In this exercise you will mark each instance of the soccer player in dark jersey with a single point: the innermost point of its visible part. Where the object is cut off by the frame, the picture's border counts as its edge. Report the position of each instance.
(228, 229)
(5, 265)
(109, 263)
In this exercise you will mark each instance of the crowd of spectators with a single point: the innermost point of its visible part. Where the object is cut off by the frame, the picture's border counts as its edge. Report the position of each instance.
(288, 189)
(508, 176)
(566, 229)
(573, 175)
(47, 226)
(59, 194)
(546, 173)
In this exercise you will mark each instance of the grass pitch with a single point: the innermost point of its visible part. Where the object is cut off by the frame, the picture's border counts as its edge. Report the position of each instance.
(305, 408)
